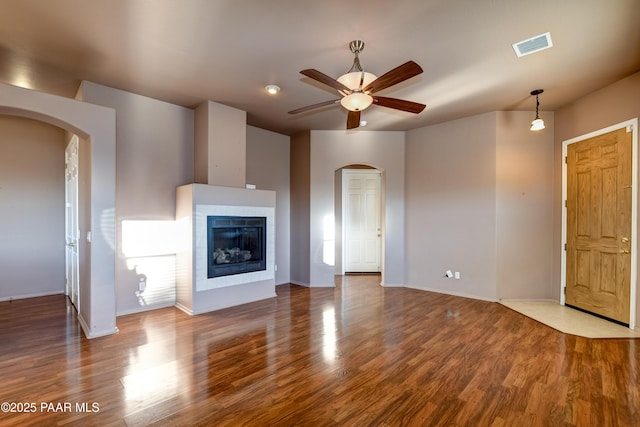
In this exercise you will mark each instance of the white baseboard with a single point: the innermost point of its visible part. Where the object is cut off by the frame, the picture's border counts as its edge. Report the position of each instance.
(306, 285)
(184, 308)
(309, 285)
(229, 304)
(528, 300)
(44, 294)
(145, 308)
(393, 285)
(94, 334)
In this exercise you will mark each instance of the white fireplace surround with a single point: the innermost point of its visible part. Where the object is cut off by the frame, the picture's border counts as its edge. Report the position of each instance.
(195, 292)
(202, 282)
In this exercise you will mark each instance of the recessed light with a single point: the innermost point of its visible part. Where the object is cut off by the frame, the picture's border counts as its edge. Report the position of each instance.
(272, 89)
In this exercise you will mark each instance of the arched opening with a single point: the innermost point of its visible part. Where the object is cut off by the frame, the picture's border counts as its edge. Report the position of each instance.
(359, 220)
(32, 213)
(95, 126)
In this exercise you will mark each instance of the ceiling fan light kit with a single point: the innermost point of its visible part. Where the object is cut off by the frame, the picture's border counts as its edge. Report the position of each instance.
(358, 86)
(356, 79)
(356, 101)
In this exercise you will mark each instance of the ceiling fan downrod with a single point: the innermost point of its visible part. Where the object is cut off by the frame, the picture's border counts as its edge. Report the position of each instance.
(356, 47)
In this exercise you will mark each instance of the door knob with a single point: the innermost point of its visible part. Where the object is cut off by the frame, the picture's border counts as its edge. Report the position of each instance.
(625, 251)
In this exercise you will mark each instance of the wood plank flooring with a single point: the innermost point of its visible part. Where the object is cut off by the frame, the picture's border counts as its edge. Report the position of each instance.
(356, 355)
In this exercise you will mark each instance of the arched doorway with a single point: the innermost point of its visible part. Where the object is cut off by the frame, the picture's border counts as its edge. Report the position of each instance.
(359, 220)
(96, 126)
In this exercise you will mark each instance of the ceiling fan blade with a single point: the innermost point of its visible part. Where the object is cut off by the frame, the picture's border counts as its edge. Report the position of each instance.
(353, 119)
(399, 104)
(323, 78)
(314, 106)
(399, 74)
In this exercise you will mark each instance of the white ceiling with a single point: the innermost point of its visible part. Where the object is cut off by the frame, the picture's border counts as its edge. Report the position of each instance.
(188, 51)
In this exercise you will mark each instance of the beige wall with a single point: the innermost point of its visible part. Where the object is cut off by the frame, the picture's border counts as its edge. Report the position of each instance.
(608, 106)
(300, 205)
(84, 219)
(467, 206)
(333, 150)
(154, 155)
(32, 208)
(268, 163)
(524, 207)
(451, 206)
(96, 125)
(221, 139)
(479, 201)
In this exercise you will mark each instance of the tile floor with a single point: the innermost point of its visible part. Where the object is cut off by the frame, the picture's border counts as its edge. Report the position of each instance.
(569, 320)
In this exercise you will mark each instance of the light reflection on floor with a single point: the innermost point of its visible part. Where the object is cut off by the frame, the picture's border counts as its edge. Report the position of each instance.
(329, 334)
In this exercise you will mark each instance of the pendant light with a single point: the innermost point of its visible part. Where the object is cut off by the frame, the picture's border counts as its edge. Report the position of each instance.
(537, 123)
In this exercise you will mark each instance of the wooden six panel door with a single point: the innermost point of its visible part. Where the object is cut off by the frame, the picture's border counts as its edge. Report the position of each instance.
(599, 225)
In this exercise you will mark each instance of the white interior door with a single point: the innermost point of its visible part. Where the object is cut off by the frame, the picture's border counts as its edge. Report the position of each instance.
(71, 217)
(361, 219)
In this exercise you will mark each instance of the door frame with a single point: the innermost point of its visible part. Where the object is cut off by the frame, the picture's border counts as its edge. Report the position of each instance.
(633, 125)
(344, 197)
(72, 288)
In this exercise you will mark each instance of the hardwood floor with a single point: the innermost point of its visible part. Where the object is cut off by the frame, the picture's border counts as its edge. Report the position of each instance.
(356, 355)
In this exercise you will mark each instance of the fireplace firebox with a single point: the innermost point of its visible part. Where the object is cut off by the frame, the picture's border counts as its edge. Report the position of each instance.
(235, 245)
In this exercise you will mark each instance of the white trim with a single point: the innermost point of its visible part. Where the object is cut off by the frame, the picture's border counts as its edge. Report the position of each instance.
(145, 308)
(633, 125)
(71, 214)
(93, 334)
(184, 308)
(322, 285)
(297, 283)
(345, 196)
(507, 300)
(392, 285)
(43, 294)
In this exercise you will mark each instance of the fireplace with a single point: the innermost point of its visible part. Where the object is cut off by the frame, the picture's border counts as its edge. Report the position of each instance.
(235, 245)
(203, 211)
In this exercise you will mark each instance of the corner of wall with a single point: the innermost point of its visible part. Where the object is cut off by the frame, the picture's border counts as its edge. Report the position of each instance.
(300, 206)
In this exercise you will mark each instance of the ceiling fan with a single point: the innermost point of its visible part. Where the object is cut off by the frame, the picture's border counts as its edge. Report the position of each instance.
(358, 86)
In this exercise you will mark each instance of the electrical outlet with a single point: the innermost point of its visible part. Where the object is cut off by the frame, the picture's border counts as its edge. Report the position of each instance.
(142, 283)
(457, 275)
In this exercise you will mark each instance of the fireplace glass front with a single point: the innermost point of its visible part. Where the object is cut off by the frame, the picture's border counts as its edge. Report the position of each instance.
(235, 245)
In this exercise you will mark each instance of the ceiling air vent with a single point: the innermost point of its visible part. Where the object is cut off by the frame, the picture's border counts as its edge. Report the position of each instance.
(532, 45)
